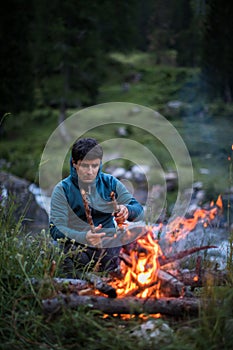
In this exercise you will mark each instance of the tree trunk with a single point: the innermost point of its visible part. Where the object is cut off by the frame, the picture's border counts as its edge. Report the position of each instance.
(61, 119)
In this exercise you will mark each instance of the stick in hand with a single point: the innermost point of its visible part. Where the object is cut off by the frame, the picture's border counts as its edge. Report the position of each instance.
(87, 211)
(114, 202)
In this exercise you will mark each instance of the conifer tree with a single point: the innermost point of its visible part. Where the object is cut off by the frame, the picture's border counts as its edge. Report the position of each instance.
(217, 55)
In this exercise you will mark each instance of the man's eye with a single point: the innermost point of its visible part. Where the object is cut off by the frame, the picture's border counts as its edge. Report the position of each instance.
(87, 166)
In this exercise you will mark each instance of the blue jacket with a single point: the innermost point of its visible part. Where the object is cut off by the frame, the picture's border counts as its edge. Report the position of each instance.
(67, 215)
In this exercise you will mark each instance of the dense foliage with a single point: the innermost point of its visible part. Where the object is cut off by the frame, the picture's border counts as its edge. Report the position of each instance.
(217, 49)
(16, 68)
(55, 53)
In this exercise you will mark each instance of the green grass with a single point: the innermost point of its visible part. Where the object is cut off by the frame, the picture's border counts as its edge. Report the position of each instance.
(158, 84)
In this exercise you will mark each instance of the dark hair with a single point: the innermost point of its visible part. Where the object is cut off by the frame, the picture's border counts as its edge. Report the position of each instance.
(87, 148)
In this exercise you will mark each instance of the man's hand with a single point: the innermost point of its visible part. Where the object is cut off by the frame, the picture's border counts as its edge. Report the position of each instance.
(122, 214)
(95, 238)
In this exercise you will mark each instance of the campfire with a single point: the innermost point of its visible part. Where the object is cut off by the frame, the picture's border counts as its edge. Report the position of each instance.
(141, 261)
(144, 283)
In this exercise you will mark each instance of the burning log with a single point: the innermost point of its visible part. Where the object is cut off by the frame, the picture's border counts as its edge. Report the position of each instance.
(100, 285)
(176, 307)
(170, 285)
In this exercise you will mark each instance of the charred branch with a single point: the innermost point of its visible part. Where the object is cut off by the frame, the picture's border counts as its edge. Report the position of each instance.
(100, 285)
(163, 260)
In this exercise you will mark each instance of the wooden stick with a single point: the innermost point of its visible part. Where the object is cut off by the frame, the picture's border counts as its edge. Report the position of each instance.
(87, 210)
(114, 202)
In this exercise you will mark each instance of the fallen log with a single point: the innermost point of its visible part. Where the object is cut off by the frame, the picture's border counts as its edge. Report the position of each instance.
(176, 307)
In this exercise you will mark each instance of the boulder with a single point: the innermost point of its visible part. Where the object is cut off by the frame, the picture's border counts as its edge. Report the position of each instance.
(15, 189)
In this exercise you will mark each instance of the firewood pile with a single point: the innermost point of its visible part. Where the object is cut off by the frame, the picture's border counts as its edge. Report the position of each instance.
(166, 293)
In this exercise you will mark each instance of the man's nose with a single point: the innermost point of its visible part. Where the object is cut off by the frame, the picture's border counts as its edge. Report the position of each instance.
(90, 169)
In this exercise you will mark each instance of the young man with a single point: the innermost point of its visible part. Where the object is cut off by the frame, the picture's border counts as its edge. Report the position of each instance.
(70, 215)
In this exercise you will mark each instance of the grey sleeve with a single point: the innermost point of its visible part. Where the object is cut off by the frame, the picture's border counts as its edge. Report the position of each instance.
(59, 218)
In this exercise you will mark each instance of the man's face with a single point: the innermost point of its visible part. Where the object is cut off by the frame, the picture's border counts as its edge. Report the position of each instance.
(87, 169)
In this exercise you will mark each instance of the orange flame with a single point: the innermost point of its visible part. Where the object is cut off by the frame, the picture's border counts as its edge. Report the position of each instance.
(219, 202)
(141, 277)
(180, 227)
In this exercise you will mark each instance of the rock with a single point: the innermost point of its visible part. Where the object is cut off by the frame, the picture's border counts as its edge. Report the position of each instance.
(122, 131)
(17, 190)
(119, 172)
(175, 104)
(198, 185)
(204, 171)
(156, 331)
(171, 180)
(139, 172)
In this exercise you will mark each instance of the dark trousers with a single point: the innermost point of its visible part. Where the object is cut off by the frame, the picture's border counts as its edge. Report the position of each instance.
(80, 258)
